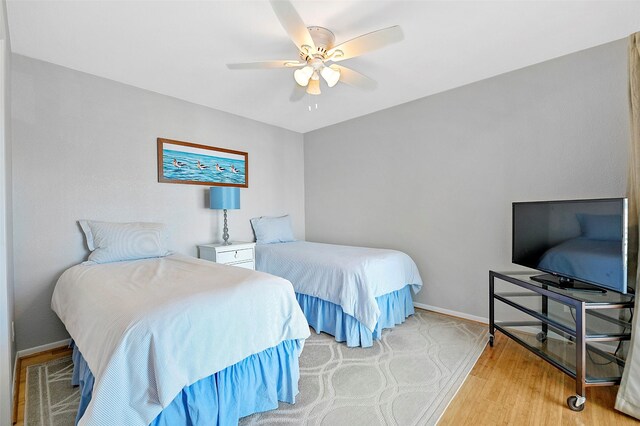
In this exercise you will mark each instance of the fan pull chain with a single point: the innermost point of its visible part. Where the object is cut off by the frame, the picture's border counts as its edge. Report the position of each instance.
(309, 103)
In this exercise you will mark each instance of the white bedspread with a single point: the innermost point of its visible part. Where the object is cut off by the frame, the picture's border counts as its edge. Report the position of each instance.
(148, 328)
(351, 277)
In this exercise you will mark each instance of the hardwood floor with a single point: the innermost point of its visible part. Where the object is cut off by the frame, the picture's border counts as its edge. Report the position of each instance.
(23, 363)
(511, 386)
(508, 386)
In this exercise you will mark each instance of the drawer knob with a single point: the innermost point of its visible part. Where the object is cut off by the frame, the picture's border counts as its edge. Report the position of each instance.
(236, 254)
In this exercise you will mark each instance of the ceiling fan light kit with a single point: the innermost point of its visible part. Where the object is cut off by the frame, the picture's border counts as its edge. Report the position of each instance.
(313, 88)
(303, 75)
(316, 47)
(330, 75)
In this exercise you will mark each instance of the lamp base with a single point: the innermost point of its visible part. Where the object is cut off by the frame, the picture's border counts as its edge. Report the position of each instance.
(225, 231)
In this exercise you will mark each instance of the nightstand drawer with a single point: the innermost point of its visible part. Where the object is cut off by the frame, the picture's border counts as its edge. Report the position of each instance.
(233, 256)
(246, 265)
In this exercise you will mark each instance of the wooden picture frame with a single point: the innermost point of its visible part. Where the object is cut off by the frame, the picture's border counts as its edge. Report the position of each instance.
(194, 164)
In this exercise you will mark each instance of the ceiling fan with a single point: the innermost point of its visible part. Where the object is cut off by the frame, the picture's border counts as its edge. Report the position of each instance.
(318, 53)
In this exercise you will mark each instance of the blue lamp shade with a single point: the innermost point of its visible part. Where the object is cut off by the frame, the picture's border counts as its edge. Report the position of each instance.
(224, 197)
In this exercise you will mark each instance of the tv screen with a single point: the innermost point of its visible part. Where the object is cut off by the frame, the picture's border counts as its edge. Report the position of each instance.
(576, 241)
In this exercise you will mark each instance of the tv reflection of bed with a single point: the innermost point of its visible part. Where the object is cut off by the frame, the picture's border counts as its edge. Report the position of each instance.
(585, 259)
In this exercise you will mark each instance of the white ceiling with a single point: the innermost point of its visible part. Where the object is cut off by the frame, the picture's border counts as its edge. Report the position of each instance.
(180, 48)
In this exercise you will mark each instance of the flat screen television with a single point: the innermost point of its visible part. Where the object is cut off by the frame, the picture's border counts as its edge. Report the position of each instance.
(581, 244)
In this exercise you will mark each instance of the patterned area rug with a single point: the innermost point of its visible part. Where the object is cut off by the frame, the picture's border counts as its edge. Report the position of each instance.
(407, 378)
(50, 398)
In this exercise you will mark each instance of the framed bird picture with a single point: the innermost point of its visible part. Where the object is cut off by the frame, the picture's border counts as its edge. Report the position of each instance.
(190, 163)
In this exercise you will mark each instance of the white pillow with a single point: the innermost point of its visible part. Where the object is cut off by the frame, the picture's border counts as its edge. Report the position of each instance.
(115, 242)
(272, 229)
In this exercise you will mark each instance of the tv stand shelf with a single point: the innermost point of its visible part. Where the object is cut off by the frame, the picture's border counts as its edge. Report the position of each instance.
(575, 331)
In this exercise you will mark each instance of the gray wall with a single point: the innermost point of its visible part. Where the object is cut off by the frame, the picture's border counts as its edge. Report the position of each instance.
(85, 147)
(436, 177)
(7, 347)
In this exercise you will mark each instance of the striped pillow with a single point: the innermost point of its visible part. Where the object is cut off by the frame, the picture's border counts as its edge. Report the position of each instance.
(272, 229)
(115, 242)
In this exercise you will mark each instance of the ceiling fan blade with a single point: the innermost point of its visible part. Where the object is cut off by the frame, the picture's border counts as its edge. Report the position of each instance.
(266, 65)
(298, 93)
(293, 24)
(354, 78)
(366, 43)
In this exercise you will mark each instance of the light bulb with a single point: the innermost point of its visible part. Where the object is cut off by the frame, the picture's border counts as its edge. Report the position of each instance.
(303, 75)
(330, 75)
(314, 87)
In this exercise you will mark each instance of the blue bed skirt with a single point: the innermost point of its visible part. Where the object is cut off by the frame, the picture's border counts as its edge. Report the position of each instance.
(252, 385)
(328, 317)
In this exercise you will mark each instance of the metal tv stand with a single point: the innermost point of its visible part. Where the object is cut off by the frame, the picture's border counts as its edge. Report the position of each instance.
(575, 331)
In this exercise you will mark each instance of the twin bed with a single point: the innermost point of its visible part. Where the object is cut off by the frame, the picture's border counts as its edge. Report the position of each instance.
(169, 339)
(178, 340)
(352, 293)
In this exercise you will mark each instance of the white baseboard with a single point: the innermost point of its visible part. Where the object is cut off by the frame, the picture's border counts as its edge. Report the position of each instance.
(450, 312)
(42, 348)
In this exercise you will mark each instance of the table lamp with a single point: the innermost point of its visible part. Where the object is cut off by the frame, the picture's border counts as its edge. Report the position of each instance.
(224, 198)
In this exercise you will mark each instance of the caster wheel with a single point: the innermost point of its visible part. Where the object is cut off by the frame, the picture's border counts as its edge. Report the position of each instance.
(571, 402)
(541, 337)
(491, 341)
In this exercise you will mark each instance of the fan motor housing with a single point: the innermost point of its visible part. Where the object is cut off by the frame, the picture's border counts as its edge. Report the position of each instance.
(322, 38)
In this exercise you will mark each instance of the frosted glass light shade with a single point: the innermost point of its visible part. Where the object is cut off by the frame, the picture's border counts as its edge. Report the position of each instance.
(303, 75)
(314, 87)
(330, 75)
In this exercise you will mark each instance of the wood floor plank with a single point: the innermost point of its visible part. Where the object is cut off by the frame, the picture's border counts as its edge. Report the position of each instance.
(511, 386)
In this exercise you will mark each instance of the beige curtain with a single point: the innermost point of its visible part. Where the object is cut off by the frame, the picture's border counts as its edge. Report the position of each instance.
(628, 400)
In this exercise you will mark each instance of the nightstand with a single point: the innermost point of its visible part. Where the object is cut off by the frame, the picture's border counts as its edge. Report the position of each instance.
(235, 254)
